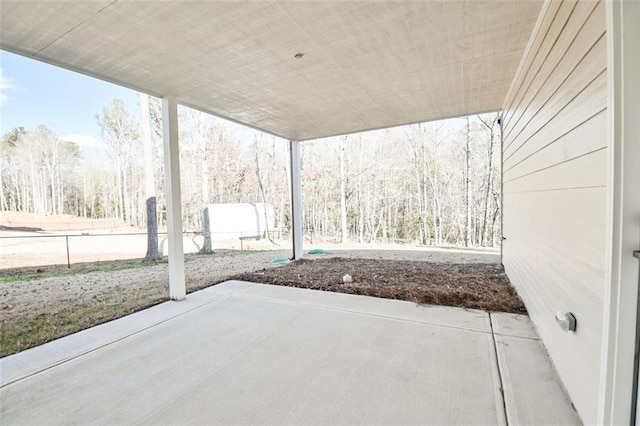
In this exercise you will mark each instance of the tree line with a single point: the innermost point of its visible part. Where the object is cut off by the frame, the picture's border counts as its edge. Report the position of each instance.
(432, 183)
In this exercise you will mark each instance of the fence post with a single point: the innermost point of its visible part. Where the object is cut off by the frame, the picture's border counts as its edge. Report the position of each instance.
(66, 237)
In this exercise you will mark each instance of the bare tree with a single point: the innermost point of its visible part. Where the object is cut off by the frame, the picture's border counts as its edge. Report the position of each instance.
(490, 124)
(7, 144)
(120, 132)
(467, 185)
(433, 183)
(149, 180)
(344, 235)
(257, 144)
(39, 166)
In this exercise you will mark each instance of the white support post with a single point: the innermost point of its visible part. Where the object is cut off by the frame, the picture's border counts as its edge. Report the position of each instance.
(177, 287)
(618, 378)
(296, 198)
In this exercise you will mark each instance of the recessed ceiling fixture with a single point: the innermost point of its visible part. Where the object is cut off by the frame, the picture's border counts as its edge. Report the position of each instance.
(298, 55)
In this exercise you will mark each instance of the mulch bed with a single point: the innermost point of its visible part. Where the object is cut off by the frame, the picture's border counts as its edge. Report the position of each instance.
(467, 285)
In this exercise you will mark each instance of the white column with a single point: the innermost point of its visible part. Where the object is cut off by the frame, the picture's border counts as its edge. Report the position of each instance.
(177, 287)
(296, 198)
(623, 237)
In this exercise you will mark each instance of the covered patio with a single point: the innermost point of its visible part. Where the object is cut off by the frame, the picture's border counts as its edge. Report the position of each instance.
(296, 70)
(243, 353)
(564, 74)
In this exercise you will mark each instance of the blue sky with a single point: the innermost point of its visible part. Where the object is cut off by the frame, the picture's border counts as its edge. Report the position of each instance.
(33, 93)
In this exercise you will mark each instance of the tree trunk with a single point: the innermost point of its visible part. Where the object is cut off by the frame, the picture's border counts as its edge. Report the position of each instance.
(343, 194)
(43, 195)
(425, 191)
(206, 231)
(152, 231)
(490, 127)
(52, 186)
(60, 194)
(204, 161)
(119, 190)
(125, 194)
(84, 196)
(287, 171)
(149, 181)
(263, 194)
(34, 188)
(3, 200)
(421, 207)
(467, 189)
(281, 216)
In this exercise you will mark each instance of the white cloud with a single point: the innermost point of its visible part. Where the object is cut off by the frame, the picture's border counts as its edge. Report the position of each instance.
(83, 141)
(6, 85)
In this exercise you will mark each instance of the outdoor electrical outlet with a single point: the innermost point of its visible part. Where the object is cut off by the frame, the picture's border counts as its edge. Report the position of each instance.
(566, 321)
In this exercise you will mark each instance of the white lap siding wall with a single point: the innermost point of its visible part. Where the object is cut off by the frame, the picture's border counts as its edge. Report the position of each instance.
(555, 188)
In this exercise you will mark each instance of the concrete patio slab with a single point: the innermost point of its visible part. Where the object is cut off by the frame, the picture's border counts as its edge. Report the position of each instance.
(467, 319)
(513, 325)
(533, 394)
(530, 379)
(34, 360)
(254, 354)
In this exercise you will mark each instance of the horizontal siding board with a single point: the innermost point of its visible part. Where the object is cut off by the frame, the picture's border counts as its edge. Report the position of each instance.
(570, 225)
(557, 13)
(591, 100)
(584, 59)
(584, 138)
(587, 171)
(578, 35)
(551, 272)
(555, 186)
(545, 301)
(575, 356)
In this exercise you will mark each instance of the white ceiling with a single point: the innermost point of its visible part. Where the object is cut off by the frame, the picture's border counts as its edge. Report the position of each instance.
(366, 64)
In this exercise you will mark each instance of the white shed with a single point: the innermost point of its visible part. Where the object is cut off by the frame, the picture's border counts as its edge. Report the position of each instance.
(230, 221)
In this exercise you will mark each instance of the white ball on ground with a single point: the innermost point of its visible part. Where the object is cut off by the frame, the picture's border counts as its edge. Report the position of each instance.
(347, 278)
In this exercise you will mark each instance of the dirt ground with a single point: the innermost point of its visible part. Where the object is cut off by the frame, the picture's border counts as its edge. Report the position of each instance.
(467, 285)
(36, 311)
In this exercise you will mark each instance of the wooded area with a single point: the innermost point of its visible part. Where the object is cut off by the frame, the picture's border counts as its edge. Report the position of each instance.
(432, 184)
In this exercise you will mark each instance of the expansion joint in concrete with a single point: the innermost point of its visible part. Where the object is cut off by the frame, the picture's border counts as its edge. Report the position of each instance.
(495, 350)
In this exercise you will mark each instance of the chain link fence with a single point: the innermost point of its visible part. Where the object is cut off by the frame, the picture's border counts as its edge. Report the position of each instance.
(28, 251)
